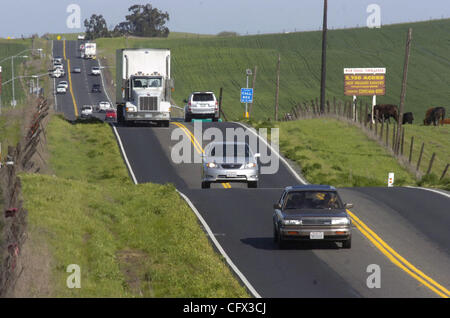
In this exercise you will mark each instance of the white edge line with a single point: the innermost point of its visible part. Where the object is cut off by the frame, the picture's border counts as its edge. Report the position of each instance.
(103, 83)
(432, 190)
(124, 154)
(303, 181)
(202, 221)
(219, 247)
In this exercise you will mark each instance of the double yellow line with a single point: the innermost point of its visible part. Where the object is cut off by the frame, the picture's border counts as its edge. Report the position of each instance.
(196, 145)
(75, 108)
(397, 259)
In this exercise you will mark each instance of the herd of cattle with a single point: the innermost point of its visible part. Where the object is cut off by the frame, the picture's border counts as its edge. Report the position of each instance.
(384, 112)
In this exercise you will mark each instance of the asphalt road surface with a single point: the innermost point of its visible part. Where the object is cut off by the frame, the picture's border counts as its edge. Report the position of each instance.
(401, 232)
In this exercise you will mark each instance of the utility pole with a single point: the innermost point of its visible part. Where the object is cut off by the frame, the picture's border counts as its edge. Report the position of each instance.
(253, 86)
(324, 58)
(277, 92)
(13, 102)
(403, 93)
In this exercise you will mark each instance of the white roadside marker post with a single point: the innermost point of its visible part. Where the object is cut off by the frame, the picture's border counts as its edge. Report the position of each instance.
(391, 179)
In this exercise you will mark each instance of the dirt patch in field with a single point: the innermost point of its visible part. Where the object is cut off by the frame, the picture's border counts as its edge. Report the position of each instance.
(132, 263)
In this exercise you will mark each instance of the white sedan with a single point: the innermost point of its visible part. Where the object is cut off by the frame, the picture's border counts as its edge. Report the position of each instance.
(61, 89)
(86, 111)
(64, 83)
(95, 70)
(103, 106)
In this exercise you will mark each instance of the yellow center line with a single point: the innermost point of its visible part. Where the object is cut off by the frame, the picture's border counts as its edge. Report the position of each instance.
(71, 90)
(64, 49)
(395, 258)
(186, 131)
(193, 137)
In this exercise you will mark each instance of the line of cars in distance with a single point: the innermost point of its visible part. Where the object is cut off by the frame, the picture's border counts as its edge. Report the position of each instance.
(87, 111)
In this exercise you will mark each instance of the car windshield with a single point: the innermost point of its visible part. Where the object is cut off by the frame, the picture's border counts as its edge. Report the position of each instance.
(230, 150)
(313, 200)
(87, 108)
(204, 97)
(145, 82)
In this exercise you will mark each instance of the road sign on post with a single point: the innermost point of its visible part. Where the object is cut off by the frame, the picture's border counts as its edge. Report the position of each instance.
(365, 82)
(246, 95)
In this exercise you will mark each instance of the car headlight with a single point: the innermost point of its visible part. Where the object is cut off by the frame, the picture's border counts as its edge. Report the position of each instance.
(292, 222)
(250, 165)
(342, 221)
(211, 165)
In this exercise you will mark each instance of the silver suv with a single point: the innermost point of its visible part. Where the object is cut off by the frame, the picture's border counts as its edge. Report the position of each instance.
(229, 162)
(201, 105)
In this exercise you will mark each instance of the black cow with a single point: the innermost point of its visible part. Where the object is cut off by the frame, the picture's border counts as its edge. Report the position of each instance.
(408, 118)
(434, 115)
(385, 112)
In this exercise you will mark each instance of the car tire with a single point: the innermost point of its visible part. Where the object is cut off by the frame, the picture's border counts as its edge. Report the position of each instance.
(252, 184)
(187, 118)
(214, 119)
(281, 243)
(206, 185)
(165, 123)
(275, 235)
(347, 243)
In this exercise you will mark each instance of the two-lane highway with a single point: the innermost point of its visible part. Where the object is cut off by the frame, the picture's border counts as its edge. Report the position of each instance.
(401, 231)
(80, 84)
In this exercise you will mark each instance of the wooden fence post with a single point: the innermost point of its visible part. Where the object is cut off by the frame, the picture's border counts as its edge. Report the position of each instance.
(334, 105)
(365, 115)
(376, 127)
(445, 171)
(411, 149)
(420, 156)
(393, 137)
(381, 130)
(403, 140)
(431, 163)
(387, 134)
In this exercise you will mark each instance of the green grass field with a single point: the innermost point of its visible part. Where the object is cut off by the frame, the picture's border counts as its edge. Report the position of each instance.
(214, 62)
(129, 240)
(333, 152)
(436, 139)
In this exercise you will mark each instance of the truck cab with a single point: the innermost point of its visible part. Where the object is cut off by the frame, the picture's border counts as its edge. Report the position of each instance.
(144, 95)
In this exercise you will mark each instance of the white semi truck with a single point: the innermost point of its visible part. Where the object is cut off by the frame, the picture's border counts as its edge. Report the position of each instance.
(143, 86)
(89, 50)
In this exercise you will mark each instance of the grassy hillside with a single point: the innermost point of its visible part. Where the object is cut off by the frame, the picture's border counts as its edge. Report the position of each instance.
(129, 240)
(211, 63)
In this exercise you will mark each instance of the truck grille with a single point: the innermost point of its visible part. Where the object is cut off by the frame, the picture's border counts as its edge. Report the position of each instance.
(148, 103)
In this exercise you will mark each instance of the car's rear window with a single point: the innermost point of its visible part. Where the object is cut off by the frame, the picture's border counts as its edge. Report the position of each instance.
(203, 97)
(313, 200)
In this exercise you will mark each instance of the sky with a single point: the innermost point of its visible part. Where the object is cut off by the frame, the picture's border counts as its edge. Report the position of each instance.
(26, 17)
